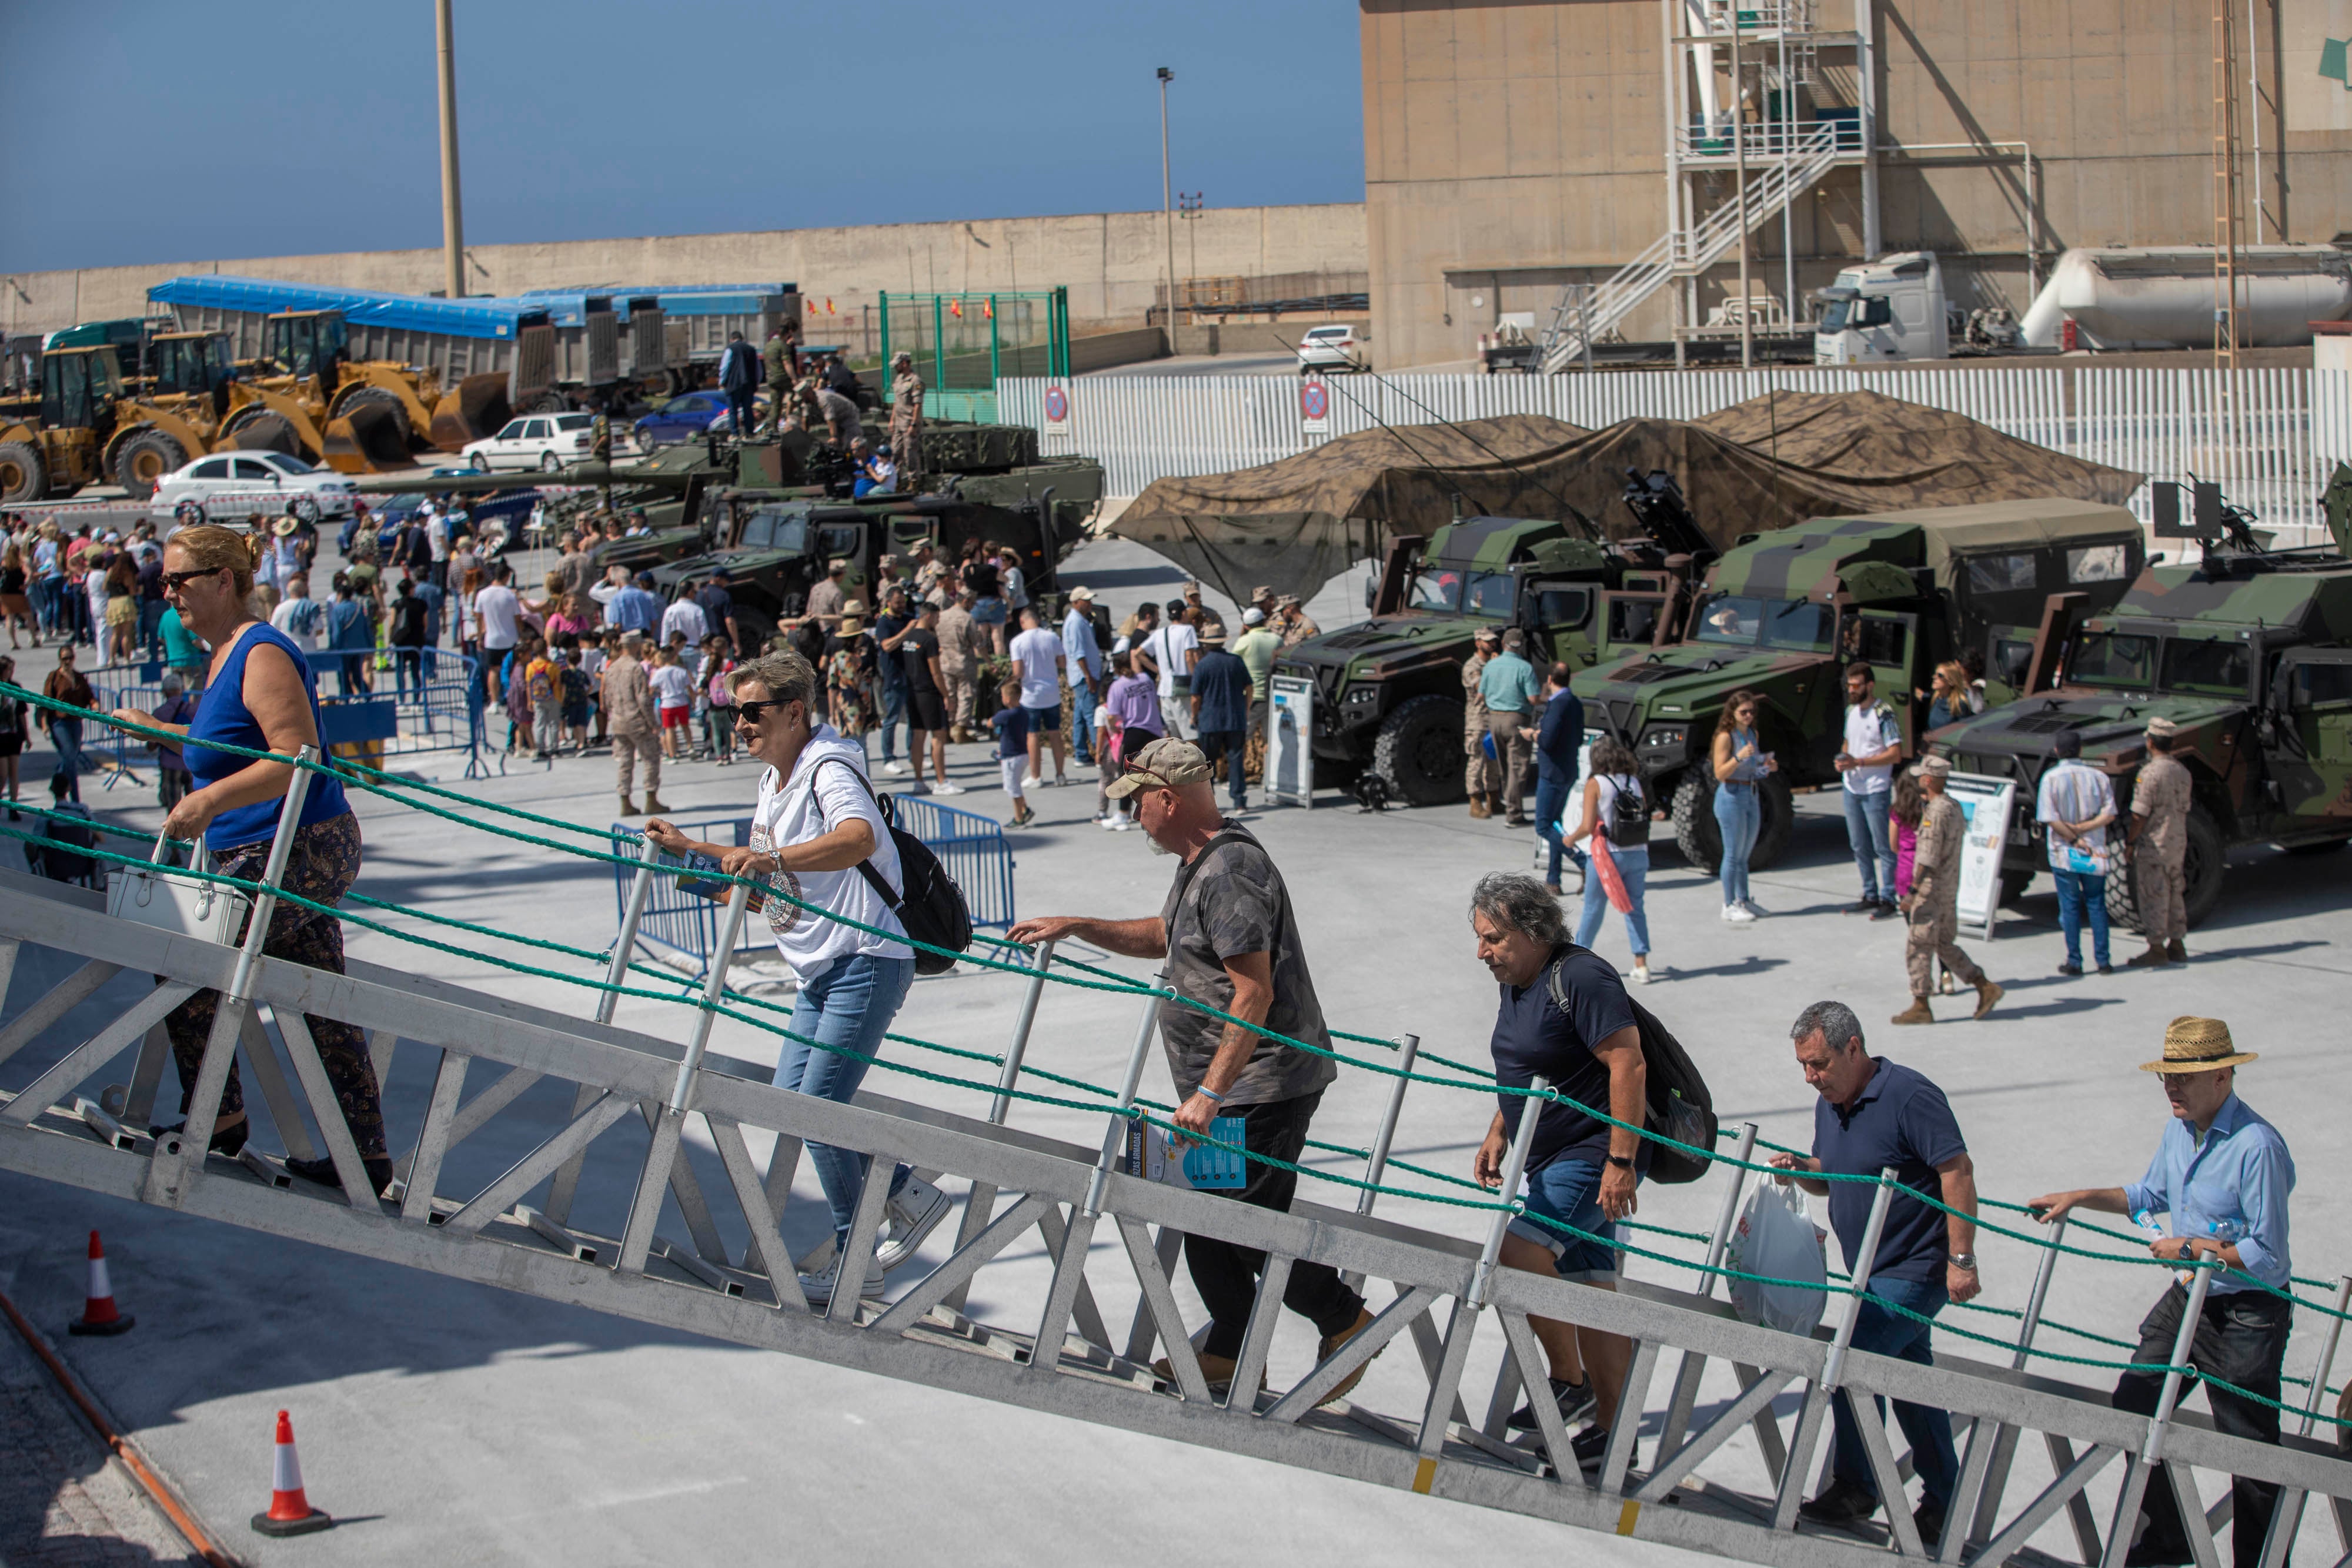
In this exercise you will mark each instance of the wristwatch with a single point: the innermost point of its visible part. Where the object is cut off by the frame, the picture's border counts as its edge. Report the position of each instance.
(1965, 1261)
(1620, 1162)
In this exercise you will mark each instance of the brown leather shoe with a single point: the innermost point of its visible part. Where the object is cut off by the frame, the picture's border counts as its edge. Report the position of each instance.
(2176, 952)
(2156, 958)
(1218, 1369)
(628, 806)
(1479, 808)
(1331, 1346)
(654, 807)
(1986, 994)
(1919, 1012)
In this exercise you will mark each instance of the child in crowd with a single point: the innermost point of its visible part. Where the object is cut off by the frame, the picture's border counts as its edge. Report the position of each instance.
(1010, 726)
(674, 692)
(1128, 722)
(578, 691)
(543, 681)
(593, 656)
(719, 703)
(172, 778)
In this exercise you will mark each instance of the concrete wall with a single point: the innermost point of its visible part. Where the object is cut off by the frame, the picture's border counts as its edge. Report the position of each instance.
(1111, 263)
(1510, 149)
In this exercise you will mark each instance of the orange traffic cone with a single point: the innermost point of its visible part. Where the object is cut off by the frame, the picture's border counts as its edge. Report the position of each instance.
(290, 1512)
(98, 1315)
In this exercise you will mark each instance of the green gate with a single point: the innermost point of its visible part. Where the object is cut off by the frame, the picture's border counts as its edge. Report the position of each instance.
(964, 342)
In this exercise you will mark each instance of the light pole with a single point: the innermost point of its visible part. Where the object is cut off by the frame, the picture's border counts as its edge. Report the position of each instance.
(1167, 203)
(1188, 207)
(453, 221)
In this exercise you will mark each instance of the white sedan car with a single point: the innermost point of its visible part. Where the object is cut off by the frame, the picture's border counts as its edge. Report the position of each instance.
(542, 440)
(227, 485)
(1330, 349)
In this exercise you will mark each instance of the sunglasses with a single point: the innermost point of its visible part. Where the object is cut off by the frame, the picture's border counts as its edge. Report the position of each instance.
(176, 580)
(752, 712)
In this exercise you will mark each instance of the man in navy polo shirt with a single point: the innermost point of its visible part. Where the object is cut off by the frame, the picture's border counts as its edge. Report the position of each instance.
(1873, 1115)
(1581, 1171)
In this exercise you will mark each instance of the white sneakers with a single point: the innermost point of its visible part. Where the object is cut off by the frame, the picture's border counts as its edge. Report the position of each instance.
(819, 1287)
(1738, 914)
(895, 768)
(913, 1212)
(1115, 824)
(1033, 782)
(947, 789)
(1641, 975)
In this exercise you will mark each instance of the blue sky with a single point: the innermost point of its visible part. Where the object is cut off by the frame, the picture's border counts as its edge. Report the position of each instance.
(142, 133)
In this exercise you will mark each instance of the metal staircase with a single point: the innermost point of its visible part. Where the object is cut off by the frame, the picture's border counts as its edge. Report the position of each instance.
(1052, 1350)
(1771, 185)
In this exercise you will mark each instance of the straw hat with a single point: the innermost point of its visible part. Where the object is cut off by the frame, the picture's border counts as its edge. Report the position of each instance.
(2197, 1045)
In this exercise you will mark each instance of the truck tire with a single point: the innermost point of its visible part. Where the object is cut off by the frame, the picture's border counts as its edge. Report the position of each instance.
(144, 459)
(395, 412)
(1700, 840)
(1418, 753)
(258, 428)
(22, 475)
(2201, 867)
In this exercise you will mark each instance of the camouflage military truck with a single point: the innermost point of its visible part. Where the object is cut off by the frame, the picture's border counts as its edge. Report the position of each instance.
(1784, 614)
(2250, 653)
(1388, 691)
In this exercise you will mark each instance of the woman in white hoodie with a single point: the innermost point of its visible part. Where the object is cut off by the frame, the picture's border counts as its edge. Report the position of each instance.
(818, 838)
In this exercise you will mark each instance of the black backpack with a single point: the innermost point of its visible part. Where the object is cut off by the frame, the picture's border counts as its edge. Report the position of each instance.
(932, 909)
(1628, 826)
(1680, 1105)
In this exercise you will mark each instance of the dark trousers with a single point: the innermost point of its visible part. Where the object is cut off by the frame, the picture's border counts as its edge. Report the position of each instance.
(324, 864)
(1234, 744)
(1226, 1275)
(738, 404)
(2240, 1338)
(1551, 799)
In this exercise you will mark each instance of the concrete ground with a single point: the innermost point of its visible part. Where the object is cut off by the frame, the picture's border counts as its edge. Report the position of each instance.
(459, 1423)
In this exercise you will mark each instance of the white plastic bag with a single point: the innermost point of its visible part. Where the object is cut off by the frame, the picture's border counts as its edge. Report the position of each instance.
(1776, 1237)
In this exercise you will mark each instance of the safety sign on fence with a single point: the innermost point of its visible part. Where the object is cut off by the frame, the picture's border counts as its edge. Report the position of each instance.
(1314, 407)
(1057, 411)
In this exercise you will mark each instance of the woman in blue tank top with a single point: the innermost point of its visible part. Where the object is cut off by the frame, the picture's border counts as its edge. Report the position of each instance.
(259, 694)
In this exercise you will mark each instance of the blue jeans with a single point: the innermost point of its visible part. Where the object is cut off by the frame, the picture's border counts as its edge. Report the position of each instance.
(847, 1008)
(1633, 866)
(1738, 816)
(433, 593)
(1082, 718)
(894, 714)
(2081, 893)
(1551, 799)
(1881, 1333)
(1568, 1191)
(1873, 846)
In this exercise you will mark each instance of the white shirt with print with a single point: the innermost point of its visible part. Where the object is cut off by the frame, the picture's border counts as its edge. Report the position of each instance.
(1869, 730)
(826, 790)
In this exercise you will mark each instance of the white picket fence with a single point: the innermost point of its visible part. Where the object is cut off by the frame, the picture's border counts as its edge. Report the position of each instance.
(2291, 425)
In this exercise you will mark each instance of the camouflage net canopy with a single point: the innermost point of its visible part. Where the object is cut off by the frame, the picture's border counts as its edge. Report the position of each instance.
(1754, 468)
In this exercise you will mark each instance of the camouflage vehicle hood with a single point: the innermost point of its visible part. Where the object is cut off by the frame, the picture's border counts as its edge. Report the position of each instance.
(2113, 725)
(1702, 673)
(2317, 605)
(1386, 644)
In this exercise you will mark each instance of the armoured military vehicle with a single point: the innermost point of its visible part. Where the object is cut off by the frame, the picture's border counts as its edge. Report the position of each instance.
(1784, 614)
(1389, 689)
(2250, 653)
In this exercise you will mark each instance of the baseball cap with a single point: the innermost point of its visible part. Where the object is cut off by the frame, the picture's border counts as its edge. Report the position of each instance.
(1081, 592)
(1252, 616)
(1163, 764)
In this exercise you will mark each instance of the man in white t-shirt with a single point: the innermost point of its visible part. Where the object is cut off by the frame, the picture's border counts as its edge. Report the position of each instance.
(819, 841)
(501, 614)
(1173, 650)
(1873, 745)
(1038, 661)
(684, 617)
(298, 615)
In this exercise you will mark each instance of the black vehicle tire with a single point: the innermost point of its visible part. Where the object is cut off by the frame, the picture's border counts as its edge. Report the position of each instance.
(258, 428)
(1700, 839)
(142, 460)
(1418, 753)
(22, 475)
(2201, 867)
(550, 401)
(360, 397)
(549, 463)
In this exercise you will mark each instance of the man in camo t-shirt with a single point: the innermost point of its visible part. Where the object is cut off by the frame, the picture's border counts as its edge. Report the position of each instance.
(1231, 941)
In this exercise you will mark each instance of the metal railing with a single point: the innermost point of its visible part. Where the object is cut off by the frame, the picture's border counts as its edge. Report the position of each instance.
(673, 919)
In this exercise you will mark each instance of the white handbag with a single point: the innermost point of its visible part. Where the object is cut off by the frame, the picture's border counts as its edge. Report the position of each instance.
(175, 902)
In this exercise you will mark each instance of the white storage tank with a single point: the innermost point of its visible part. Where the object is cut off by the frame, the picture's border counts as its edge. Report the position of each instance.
(2163, 298)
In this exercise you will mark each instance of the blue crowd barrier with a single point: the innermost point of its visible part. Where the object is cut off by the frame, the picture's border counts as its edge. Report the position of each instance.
(971, 847)
(675, 921)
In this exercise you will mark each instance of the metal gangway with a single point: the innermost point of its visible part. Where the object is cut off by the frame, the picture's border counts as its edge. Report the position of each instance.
(1051, 1348)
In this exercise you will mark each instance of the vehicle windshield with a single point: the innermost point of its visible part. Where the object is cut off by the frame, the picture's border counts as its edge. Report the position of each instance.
(1833, 316)
(2114, 659)
(1486, 593)
(1765, 623)
(574, 420)
(2192, 665)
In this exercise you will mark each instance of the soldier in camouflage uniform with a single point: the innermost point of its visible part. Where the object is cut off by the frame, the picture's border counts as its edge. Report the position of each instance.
(1478, 772)
(1295, 626)
(783, 355)
(1933, 907)
(906, 418)
(2159, 835)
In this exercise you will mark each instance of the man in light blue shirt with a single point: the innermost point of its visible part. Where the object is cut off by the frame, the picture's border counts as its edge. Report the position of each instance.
(1514, 697)
(1084, 666)
(635, 608)
(2223, 1176)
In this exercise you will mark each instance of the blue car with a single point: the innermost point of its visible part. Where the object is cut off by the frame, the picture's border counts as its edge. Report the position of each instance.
(683, 418)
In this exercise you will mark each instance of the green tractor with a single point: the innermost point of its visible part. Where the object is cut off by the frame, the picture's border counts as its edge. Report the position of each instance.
(2249, 652)
(1783, 615)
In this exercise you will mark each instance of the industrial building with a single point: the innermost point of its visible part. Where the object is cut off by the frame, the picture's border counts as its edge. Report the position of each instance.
(1512, 151)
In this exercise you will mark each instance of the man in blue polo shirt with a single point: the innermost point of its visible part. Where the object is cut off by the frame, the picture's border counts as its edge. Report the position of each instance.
(1564, 1017)
(1873, 1115)
(2221, 1175)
